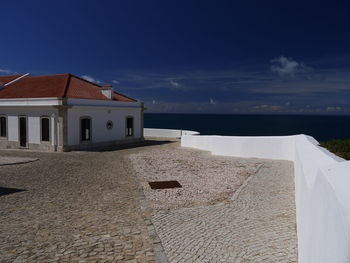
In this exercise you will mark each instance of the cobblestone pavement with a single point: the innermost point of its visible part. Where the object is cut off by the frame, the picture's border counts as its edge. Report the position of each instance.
(5, 160)
(257, 226)
(85, 207)
(76, 207)
(205, 178)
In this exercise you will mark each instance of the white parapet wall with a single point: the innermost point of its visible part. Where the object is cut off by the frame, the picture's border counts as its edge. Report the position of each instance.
(166, 133)
(279, 148)
(322, 182)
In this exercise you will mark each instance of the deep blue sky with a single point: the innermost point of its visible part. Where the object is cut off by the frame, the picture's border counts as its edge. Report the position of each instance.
(190, 56)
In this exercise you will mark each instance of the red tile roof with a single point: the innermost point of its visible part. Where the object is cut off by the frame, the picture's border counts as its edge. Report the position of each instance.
(54, 86)
(121, 97)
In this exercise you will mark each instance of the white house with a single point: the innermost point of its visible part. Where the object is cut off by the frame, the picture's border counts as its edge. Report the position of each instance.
(65, 112)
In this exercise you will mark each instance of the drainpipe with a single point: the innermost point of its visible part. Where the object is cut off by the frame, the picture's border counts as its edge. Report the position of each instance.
(55, 131)
(142, 120)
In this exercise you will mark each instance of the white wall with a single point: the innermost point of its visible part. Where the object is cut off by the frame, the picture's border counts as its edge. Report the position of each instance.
(33, 122)
(12, 127)
(322, 183)
(33, 129)
(186, 132)
(99, 115)
(323, 203)
(99, 118)
(280, 148)
(167, 133)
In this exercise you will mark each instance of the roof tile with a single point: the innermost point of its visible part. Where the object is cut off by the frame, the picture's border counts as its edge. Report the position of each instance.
(54, 86)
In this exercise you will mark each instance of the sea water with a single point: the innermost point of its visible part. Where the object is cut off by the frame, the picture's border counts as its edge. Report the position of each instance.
(322, 128)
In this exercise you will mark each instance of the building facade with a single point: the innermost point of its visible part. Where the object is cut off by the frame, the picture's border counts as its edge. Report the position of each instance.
(65, 112)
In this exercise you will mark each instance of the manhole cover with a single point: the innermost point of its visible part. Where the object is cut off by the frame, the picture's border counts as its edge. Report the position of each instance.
(164, 184)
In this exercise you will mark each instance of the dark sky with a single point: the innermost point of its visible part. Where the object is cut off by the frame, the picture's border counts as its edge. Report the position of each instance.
(190, 56)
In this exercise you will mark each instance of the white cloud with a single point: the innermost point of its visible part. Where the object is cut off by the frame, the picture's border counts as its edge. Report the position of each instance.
(7, 71)
(263, 106)
(162, 106)
(115, 81)
(175, 84)
(91, 79)
(212, 101)
(266, 107)
(336, 108)
(284, 66)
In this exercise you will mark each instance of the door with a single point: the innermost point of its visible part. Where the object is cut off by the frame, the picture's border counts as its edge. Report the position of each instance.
(23, 131)
(129, 126)
(85, 129)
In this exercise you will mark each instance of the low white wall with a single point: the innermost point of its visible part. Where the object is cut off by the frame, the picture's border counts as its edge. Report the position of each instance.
(322, 183)
(280, 148)
(167, 133)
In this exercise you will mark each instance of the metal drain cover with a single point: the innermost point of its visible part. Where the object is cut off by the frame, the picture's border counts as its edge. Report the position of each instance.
(164, 184)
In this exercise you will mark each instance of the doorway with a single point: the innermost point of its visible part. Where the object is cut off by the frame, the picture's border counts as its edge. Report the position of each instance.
(129, 126)
(23, 131)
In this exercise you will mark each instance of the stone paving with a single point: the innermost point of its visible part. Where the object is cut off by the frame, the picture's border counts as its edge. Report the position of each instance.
(76, 207)
(258, 225)
(86, 207)
(5, 160)
(205, 178)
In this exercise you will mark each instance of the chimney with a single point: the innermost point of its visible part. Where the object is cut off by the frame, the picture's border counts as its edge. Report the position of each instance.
(107, 91)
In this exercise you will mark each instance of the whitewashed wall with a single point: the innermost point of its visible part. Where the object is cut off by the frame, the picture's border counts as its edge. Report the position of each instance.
(167, 133)
(280, 148)
(12, 127)
(33, 122)
(322, 183)
(99, 118)
(323, 203)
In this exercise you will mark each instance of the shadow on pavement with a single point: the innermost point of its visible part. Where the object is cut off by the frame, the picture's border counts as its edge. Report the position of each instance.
(7, 191)
(130, 145)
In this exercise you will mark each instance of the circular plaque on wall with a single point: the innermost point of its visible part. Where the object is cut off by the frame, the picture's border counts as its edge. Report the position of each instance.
(109, 125)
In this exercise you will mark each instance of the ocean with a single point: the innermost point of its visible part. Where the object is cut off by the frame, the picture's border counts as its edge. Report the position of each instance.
(322, 128)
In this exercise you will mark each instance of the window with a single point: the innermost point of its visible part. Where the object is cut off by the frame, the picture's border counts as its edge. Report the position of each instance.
(23, 131)
(45, 129)
(3, 126)
(85, 124)
(129, 126)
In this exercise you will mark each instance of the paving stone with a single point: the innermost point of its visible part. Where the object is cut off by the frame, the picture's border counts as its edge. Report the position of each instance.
(257, 226)
(85, 206)
(75, 204)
